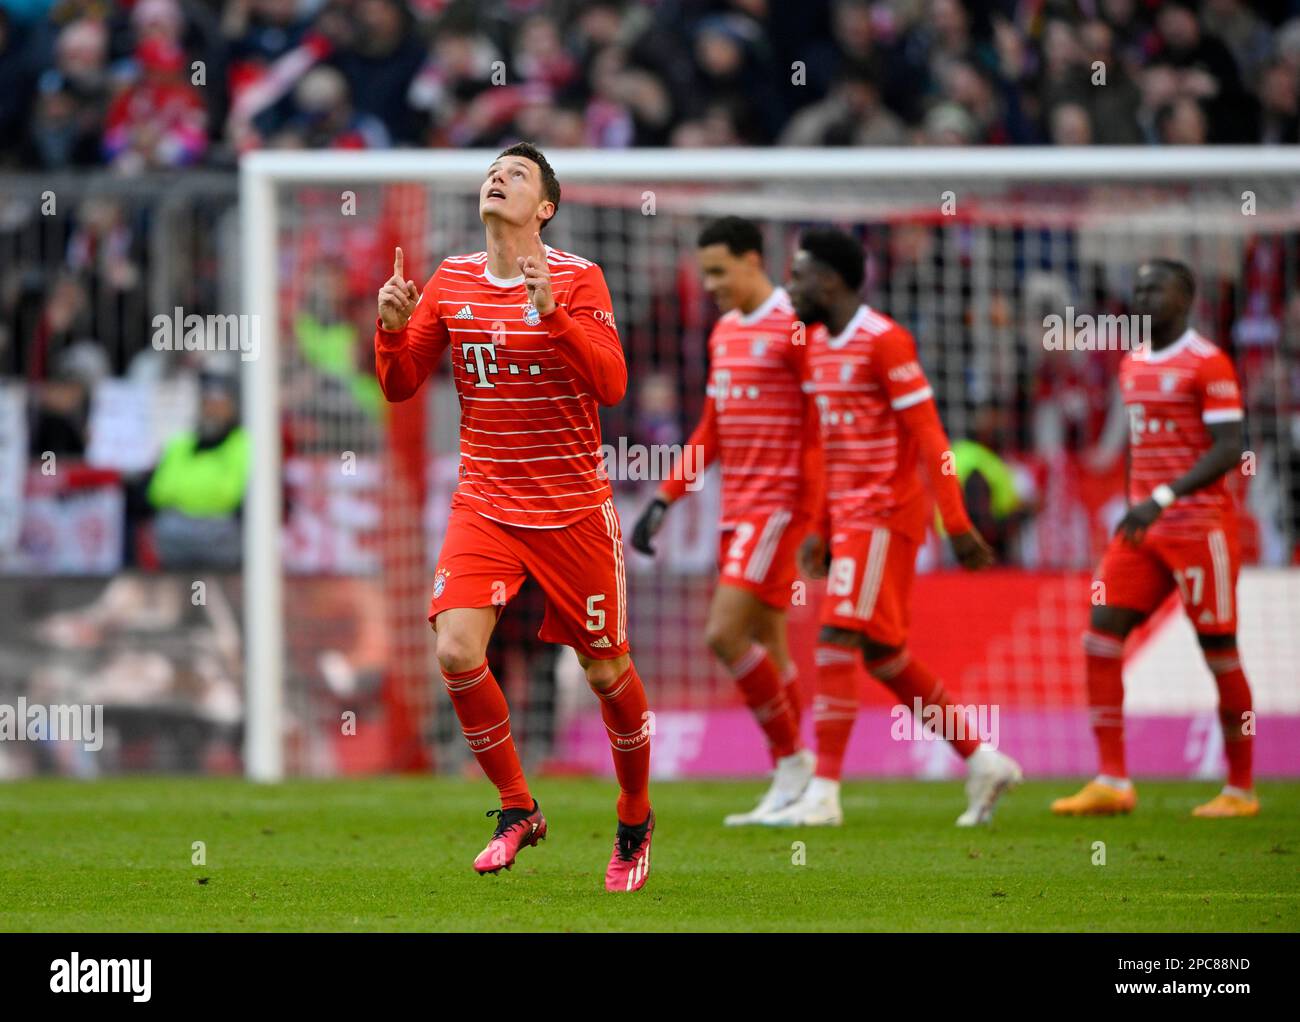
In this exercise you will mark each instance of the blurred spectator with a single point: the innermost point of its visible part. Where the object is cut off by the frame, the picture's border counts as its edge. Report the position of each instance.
(17, 76)
(197, 490)
(325, 118)
(457, 68)
(853, 114)
(949, 124)
(539, 54)
(160, 121)
(1159, 87)
(734, 65)
(73, 97)
(262, 30)
(1242, 31)
(1111, 106)
(1209, 74)
(380, 64)
(1279, 94)
(613, 73)
(1071, 125)
(61, 411)
(1183, 122)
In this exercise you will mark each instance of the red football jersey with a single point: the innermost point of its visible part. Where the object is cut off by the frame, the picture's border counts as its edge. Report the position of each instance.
(862, 378)
(755, 420)
(528, 385)
(1171, 395)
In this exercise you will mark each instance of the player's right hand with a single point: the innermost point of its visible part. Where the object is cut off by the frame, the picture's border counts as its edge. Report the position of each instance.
(813, 556)
(973, 553)
(650, 522)
(397, 297)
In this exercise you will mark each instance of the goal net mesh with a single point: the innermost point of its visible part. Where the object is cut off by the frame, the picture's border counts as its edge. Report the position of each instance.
(971, 268)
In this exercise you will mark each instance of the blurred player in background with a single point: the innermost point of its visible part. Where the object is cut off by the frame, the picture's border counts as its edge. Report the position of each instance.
(534, 351)
(1180, 532)
(883, 447)
(762, 428)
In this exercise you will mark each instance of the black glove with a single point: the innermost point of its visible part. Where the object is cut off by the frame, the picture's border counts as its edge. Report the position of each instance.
(648, 524)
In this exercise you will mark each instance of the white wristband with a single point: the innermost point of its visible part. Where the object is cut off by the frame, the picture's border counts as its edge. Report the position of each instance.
(1164, 495)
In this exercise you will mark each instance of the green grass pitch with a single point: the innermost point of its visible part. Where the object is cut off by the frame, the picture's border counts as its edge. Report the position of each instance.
(395, 853)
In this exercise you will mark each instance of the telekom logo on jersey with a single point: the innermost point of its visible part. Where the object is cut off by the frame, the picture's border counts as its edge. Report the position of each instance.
(481, 360)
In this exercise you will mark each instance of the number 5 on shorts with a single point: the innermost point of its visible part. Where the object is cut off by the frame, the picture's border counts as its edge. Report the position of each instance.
(595, 616)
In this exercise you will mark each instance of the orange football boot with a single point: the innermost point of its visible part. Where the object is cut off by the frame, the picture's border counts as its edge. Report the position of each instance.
(1228, 804)
(1097, 799)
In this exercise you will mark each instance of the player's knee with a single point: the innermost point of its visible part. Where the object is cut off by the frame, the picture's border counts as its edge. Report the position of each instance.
(458, 652)
(725, 641)
(601, 674)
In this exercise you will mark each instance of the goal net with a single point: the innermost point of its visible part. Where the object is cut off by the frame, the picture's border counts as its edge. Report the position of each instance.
(974, 252)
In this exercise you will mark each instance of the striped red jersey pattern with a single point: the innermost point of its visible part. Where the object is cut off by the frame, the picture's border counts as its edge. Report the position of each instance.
(1172, 394)
(755, 423)
(861, 379)
(529, 434)
(755, 376)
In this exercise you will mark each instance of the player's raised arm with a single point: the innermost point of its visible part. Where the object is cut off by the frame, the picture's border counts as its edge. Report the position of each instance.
(409, 336)
(583, 334)
(900, 374)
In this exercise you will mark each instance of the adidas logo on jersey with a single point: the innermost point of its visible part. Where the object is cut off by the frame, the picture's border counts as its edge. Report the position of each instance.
(845, 609)
(465, 313)
(601, 643)
(1207, 617)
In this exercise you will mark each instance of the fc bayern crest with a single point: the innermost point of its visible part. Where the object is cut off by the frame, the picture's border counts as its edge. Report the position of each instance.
(531, 316)
(440, 582)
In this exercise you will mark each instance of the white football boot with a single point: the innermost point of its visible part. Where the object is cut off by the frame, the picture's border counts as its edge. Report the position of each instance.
(818, 806)
(991, 774)
(792, 775)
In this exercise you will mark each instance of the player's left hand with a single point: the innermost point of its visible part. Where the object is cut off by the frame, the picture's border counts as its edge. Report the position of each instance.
(537, 278)
(972, 552)
(1140, 517)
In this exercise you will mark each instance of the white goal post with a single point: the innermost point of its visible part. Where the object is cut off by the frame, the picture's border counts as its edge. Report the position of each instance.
(263, 174)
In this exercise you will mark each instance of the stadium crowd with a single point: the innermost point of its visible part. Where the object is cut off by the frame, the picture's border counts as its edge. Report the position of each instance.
(142, 84)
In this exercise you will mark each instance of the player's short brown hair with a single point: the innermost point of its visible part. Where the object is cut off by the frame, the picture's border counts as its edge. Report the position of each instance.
(550, 183)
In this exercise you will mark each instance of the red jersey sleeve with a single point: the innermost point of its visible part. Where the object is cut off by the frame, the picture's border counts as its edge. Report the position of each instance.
(705, 438)
(899, 373)
(1220, 397)
(584, 336)
(404, 358)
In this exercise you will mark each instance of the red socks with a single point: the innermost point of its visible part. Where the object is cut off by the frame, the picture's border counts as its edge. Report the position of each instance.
(835, 707)
(765, 694)
(485, 720)
(1105, 658)
(794, 694)
(627, 719)
(911, 680)
(1235, 714)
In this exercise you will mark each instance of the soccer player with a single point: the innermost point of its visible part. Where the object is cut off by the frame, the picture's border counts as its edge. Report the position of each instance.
(1185, 436)
(534, 351)
(763, 430)
(885, 454)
